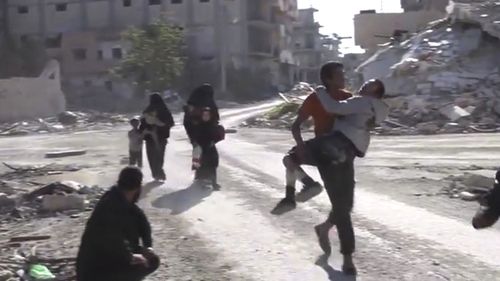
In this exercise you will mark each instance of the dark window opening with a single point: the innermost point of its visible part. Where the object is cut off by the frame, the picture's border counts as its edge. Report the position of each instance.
(204, 1)
(100, 55)
(23, 10)
(127, 3)
(117, 53)
(176, 2)
(109, 85)
(53, 42)
(154, 2)
(61, 7)
(80, 54)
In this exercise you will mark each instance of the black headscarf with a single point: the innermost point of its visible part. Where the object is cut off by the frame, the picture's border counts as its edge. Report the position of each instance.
(156, 103)
(203, 96)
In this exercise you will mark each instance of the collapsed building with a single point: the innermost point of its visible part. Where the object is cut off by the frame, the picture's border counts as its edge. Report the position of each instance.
(26, 97)
(446, 77)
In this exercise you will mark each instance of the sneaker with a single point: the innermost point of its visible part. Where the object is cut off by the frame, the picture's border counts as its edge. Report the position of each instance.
(309, 191)
(287, 201)
(286, 205)
(322, 231)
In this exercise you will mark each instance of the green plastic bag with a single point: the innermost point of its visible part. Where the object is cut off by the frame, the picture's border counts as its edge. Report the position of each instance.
(41, 272)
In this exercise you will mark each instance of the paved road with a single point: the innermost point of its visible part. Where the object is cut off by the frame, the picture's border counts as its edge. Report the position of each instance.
(401, 235)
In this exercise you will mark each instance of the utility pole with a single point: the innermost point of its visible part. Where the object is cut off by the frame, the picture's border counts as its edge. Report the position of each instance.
(222, 43)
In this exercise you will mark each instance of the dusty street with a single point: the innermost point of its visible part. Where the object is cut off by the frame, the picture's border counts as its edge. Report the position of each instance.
(406, 228)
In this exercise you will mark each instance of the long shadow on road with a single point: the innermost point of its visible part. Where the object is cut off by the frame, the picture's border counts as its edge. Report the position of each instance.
(333, 274)
(182, 200)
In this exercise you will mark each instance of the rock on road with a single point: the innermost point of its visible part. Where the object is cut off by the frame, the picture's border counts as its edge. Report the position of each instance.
(404, 231)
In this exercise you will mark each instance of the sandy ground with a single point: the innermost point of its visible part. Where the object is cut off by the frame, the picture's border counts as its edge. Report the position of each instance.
(405, 230)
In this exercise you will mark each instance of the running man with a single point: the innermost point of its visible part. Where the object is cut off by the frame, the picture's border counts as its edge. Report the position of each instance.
(332, 77)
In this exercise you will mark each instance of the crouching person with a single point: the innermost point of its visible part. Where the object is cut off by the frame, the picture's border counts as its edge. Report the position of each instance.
(489, 212)
(206, 134)
(110, 249)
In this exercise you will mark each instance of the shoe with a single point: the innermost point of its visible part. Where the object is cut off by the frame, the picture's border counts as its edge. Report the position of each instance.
(348, 266)
(309, 191)
(287, 201)
(322, 231)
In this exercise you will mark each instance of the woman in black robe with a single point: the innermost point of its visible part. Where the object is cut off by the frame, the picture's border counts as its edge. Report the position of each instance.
(156, 123)
(201, 121)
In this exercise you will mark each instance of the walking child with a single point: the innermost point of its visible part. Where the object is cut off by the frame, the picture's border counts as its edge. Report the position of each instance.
(136, 140)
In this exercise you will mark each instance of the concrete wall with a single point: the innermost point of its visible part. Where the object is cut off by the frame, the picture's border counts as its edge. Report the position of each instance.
(366, 26)
(25, 98)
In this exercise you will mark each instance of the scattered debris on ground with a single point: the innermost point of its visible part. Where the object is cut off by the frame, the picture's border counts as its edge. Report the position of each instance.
(64, 122)
(59, 154)
(283, 115)
(468, 187)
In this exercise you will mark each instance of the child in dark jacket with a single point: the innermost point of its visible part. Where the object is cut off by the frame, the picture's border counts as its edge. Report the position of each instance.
(205, 134)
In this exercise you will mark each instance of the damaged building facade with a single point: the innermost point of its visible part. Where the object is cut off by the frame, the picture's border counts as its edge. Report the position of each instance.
(446, 76)
(372, 29)
(311, 48)
(84, 35)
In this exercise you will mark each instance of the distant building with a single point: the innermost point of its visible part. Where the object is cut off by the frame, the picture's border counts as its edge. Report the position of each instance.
(372, 29)
(312, 49)
(85, 34)
(424, 5)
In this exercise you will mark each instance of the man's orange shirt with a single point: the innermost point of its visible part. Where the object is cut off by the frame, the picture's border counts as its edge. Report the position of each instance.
(323, 121)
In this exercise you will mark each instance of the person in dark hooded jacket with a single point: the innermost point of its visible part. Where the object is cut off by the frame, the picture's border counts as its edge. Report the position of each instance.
(156, 123)
(110, 248)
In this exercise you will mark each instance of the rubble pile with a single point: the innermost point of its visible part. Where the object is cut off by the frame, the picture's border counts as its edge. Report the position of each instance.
(445, 79)
(468, 187)
(64, 122)
(283, 115)
(24, 200)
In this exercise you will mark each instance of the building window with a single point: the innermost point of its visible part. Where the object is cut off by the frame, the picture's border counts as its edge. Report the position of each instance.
(176, 2)
(61, 7)
(127, 3)
(117, 53)
(80, 54)
(204, 1)
(154, 2)
(23, 10)
(109, 86)
(53, 42)
(100, 55)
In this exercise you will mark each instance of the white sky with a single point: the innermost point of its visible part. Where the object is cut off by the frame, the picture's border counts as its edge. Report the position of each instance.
(336, 16)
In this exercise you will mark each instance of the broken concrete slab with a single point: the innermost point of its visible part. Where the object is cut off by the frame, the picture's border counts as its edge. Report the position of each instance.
(67, 118)
(475, 180)
(6, 201)
(56, 203)
(454, 112)
(59, 154)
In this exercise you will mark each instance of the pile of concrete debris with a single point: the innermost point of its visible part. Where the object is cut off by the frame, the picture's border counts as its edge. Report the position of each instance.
(468, 187)
(446, 78)
(282, 115)
(24, 200)
(64, 122)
